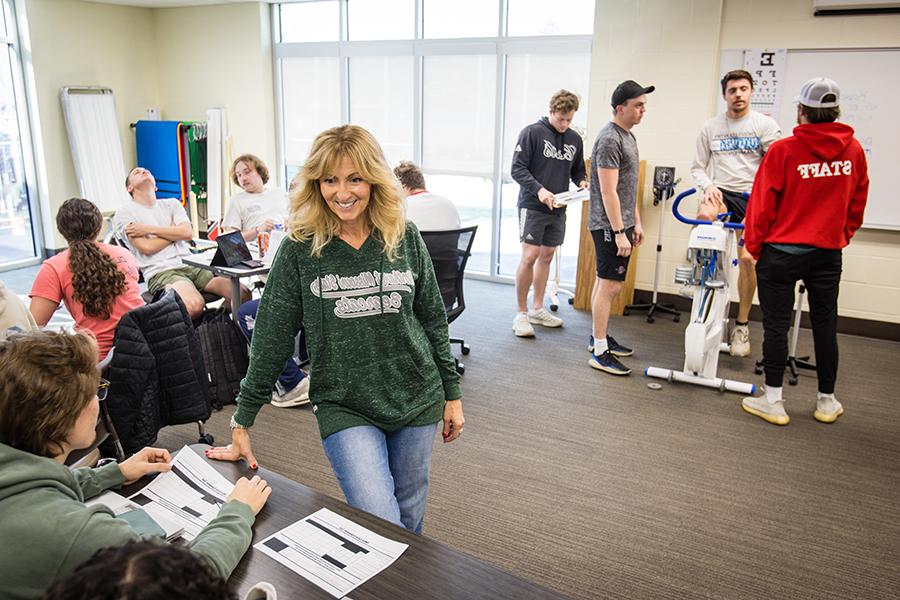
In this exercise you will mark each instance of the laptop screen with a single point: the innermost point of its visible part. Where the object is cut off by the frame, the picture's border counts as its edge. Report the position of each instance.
(234, 248)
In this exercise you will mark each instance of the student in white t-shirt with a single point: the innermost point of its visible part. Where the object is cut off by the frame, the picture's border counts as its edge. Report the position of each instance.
(730, 148)
(428, 211)
(157, 231)
(256, 208)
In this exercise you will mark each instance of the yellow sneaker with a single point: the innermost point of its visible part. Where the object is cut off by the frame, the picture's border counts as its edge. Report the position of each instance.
(773, 412)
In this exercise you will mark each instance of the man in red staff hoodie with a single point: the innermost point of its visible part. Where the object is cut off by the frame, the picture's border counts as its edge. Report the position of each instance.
(807, 202)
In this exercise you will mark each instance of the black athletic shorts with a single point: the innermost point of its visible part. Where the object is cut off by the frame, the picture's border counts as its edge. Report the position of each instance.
(542, 229)
(736, 205)
(609, 264)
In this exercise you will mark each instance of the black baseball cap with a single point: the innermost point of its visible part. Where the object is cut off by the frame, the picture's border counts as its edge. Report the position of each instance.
(627, 90)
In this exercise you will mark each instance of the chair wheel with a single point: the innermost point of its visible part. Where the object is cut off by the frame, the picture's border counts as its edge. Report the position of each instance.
(207, 439)
(792, 380)
(466, 349)
(461, 368)
(676, 318)
(626, 312)
(554, 307)
(651, 319)
(571, 300)
(758, 369)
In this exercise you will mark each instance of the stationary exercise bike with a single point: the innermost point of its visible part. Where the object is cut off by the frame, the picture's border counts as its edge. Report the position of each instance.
(712, 251)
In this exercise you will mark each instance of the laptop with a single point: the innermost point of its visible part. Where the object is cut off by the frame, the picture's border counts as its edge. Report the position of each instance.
(233, 252)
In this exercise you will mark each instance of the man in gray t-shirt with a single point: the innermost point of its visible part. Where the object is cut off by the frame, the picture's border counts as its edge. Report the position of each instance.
(615, 221)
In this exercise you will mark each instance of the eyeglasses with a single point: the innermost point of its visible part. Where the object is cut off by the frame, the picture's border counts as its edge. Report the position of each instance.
(102, 390)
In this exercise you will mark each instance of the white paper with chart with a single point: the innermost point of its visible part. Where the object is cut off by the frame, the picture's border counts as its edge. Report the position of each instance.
(191, 494)
(331, 551)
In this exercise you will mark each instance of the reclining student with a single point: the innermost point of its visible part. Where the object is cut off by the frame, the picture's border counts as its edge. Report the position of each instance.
(49, 405)
(97, 282)
(156, 231)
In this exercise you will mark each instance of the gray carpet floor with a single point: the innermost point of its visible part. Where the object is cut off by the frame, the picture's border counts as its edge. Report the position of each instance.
(599, 487)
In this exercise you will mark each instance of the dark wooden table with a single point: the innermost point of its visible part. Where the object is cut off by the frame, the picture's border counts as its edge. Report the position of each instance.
(427, 570)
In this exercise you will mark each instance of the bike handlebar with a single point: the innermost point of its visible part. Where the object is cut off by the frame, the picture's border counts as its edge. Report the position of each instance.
(684, 219)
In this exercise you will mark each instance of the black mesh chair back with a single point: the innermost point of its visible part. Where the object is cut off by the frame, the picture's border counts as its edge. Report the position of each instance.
(450, 251)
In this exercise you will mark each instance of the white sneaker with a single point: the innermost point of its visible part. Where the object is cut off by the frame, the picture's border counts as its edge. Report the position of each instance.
(298, 396)
(740, 341)
(827, 408)
(542, 317)
(521, 326)
(773, 412)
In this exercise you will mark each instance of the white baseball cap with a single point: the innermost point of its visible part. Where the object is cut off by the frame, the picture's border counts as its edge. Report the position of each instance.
(814, 92)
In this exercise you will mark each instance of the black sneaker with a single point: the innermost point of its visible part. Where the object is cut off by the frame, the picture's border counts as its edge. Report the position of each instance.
(617, 348)
(609, 363)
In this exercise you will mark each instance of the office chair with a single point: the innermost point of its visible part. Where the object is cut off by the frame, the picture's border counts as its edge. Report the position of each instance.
(105, 433)
(450, 251)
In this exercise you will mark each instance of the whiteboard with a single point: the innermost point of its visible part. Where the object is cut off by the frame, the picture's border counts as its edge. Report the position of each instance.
(90, 114)
(869, 104)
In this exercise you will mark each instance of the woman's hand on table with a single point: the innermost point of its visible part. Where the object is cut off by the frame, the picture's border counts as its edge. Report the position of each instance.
(238, 448)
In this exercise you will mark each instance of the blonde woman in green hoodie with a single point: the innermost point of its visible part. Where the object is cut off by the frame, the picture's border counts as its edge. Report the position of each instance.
(359, 279)
(49, 404)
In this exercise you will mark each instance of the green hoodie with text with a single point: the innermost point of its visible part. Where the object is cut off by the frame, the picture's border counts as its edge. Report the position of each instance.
(46, 530)
(376, 333)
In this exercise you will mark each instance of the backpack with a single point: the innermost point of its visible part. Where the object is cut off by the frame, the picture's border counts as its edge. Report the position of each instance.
(224, 354)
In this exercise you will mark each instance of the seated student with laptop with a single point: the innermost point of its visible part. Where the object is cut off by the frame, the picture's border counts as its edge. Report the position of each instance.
(257, 210)
(42, 420)
(156, 231)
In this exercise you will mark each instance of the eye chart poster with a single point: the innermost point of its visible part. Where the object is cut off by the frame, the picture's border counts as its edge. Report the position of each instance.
(767, 67)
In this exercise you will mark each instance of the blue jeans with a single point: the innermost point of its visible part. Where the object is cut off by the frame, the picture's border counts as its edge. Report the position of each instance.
(385, 474)
(291, 375)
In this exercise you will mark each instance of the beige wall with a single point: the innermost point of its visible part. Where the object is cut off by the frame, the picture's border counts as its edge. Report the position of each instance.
(220, 56)
(183, 60)
(676, 45)
(82, 43)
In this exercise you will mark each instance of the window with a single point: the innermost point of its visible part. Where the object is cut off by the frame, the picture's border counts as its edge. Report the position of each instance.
(458, 106)
(460, 18)
(18, 240)
(381, 100)
(443, 83)
(311, 21)
(562, 17)
(312, 100)
(381, 19)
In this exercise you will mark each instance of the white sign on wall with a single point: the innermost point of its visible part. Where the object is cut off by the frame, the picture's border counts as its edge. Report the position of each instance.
(768, 69)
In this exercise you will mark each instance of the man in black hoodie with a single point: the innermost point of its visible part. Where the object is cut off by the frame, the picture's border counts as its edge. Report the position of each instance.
(547, 156)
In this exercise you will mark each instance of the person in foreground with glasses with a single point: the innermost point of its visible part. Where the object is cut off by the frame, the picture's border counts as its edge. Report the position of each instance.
(50, 394)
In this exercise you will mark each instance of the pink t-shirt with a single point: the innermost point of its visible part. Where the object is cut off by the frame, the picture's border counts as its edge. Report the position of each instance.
(54, 282)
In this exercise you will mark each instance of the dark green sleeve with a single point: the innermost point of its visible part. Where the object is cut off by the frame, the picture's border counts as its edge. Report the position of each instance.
(277, 323)
(428, 307)
(225, 540)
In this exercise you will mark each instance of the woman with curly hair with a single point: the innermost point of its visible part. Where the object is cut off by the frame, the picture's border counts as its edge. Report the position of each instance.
(357, 276)
(97, 282)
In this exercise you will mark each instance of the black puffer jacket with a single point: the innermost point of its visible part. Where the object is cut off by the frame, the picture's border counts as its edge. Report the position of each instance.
(157, 374)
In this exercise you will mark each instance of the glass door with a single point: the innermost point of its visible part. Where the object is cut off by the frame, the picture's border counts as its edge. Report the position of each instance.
(17, 222)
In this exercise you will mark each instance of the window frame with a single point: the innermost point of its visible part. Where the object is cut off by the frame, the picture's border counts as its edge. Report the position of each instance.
(500, 45)
(15, 44)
